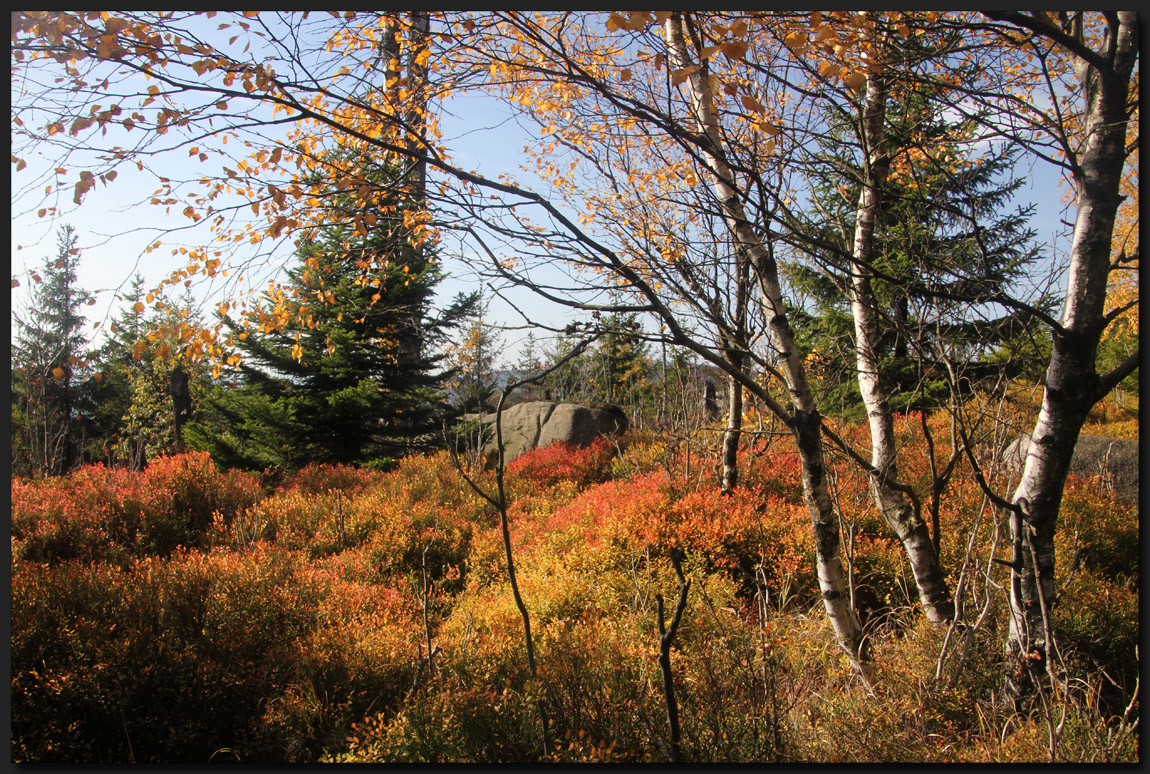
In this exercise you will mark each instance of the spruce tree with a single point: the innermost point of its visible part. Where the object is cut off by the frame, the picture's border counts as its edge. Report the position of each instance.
(339, 367)
(48, 351)
(622, 363)
(110, 396)
(948, 240)
(473, 361)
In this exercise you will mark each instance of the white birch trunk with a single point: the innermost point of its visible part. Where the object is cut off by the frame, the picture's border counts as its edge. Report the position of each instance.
(896, 508)
(1073, 385)
(806, 422)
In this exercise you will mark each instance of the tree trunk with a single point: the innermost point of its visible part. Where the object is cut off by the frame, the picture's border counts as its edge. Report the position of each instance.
(181, 407)
(731, 436)
(1073, 385)
(735, 352)
(805, 423)
(897, 509)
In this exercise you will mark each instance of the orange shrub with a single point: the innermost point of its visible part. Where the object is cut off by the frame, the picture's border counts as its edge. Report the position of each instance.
(321, 478)
(176, 658)
(111, 515)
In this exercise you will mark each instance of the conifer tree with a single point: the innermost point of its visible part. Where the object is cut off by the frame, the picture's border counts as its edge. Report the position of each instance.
(348, 374)
(49, 349)
(109, 397)
(473, 361)
(943, 234)
(622, 364)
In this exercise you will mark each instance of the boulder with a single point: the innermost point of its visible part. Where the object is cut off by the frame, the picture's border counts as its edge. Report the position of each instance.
(535, 424)
(1114, 458)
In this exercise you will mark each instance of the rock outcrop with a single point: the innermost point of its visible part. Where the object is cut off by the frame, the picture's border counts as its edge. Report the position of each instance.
(1114, 458)
(536, 424)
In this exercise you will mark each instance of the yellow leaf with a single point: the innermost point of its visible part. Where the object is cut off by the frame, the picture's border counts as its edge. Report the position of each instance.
(682, 74)
(829, 69)
(795, 39)
(58, 372)
(139, 307)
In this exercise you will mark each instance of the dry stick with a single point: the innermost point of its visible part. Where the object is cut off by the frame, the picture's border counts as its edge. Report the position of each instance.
(959, 592)
(499, 502)
(666, 638)
(1051, 652)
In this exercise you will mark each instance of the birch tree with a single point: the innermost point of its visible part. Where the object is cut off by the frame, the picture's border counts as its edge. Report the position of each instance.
(1103, 52)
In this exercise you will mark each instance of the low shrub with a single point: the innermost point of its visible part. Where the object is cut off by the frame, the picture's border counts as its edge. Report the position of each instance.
(322, 478)
(175, 659)
(96, 514)
(561, 461)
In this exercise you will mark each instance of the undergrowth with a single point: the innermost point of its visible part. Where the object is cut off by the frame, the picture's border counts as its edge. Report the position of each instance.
(184, 614)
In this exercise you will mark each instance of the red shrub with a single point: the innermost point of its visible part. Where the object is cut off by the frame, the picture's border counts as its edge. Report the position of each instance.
(563, 461)
(319, 479)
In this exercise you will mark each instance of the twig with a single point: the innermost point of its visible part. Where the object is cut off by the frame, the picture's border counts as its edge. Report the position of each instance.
(666, 638)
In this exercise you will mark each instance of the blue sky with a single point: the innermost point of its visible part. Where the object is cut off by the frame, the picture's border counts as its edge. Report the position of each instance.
(480, 134)
(114, 234)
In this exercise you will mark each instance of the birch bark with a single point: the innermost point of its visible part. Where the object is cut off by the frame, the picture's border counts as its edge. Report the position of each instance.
(1073, 385)
(897, 509)
(805, 423)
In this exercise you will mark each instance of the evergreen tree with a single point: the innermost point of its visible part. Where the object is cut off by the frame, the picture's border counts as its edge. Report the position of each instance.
(473, 361)
(109, 395)
(340, 367)
(570, 381)
(48, 351)
(166, 359)
(622, 364)
(948, 243)
(531, 363)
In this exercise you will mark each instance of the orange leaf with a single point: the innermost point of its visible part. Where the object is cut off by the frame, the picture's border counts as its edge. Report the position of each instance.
(750, 103)
(735, 49)
(855, 81)
(682, 74)
(795, 39)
